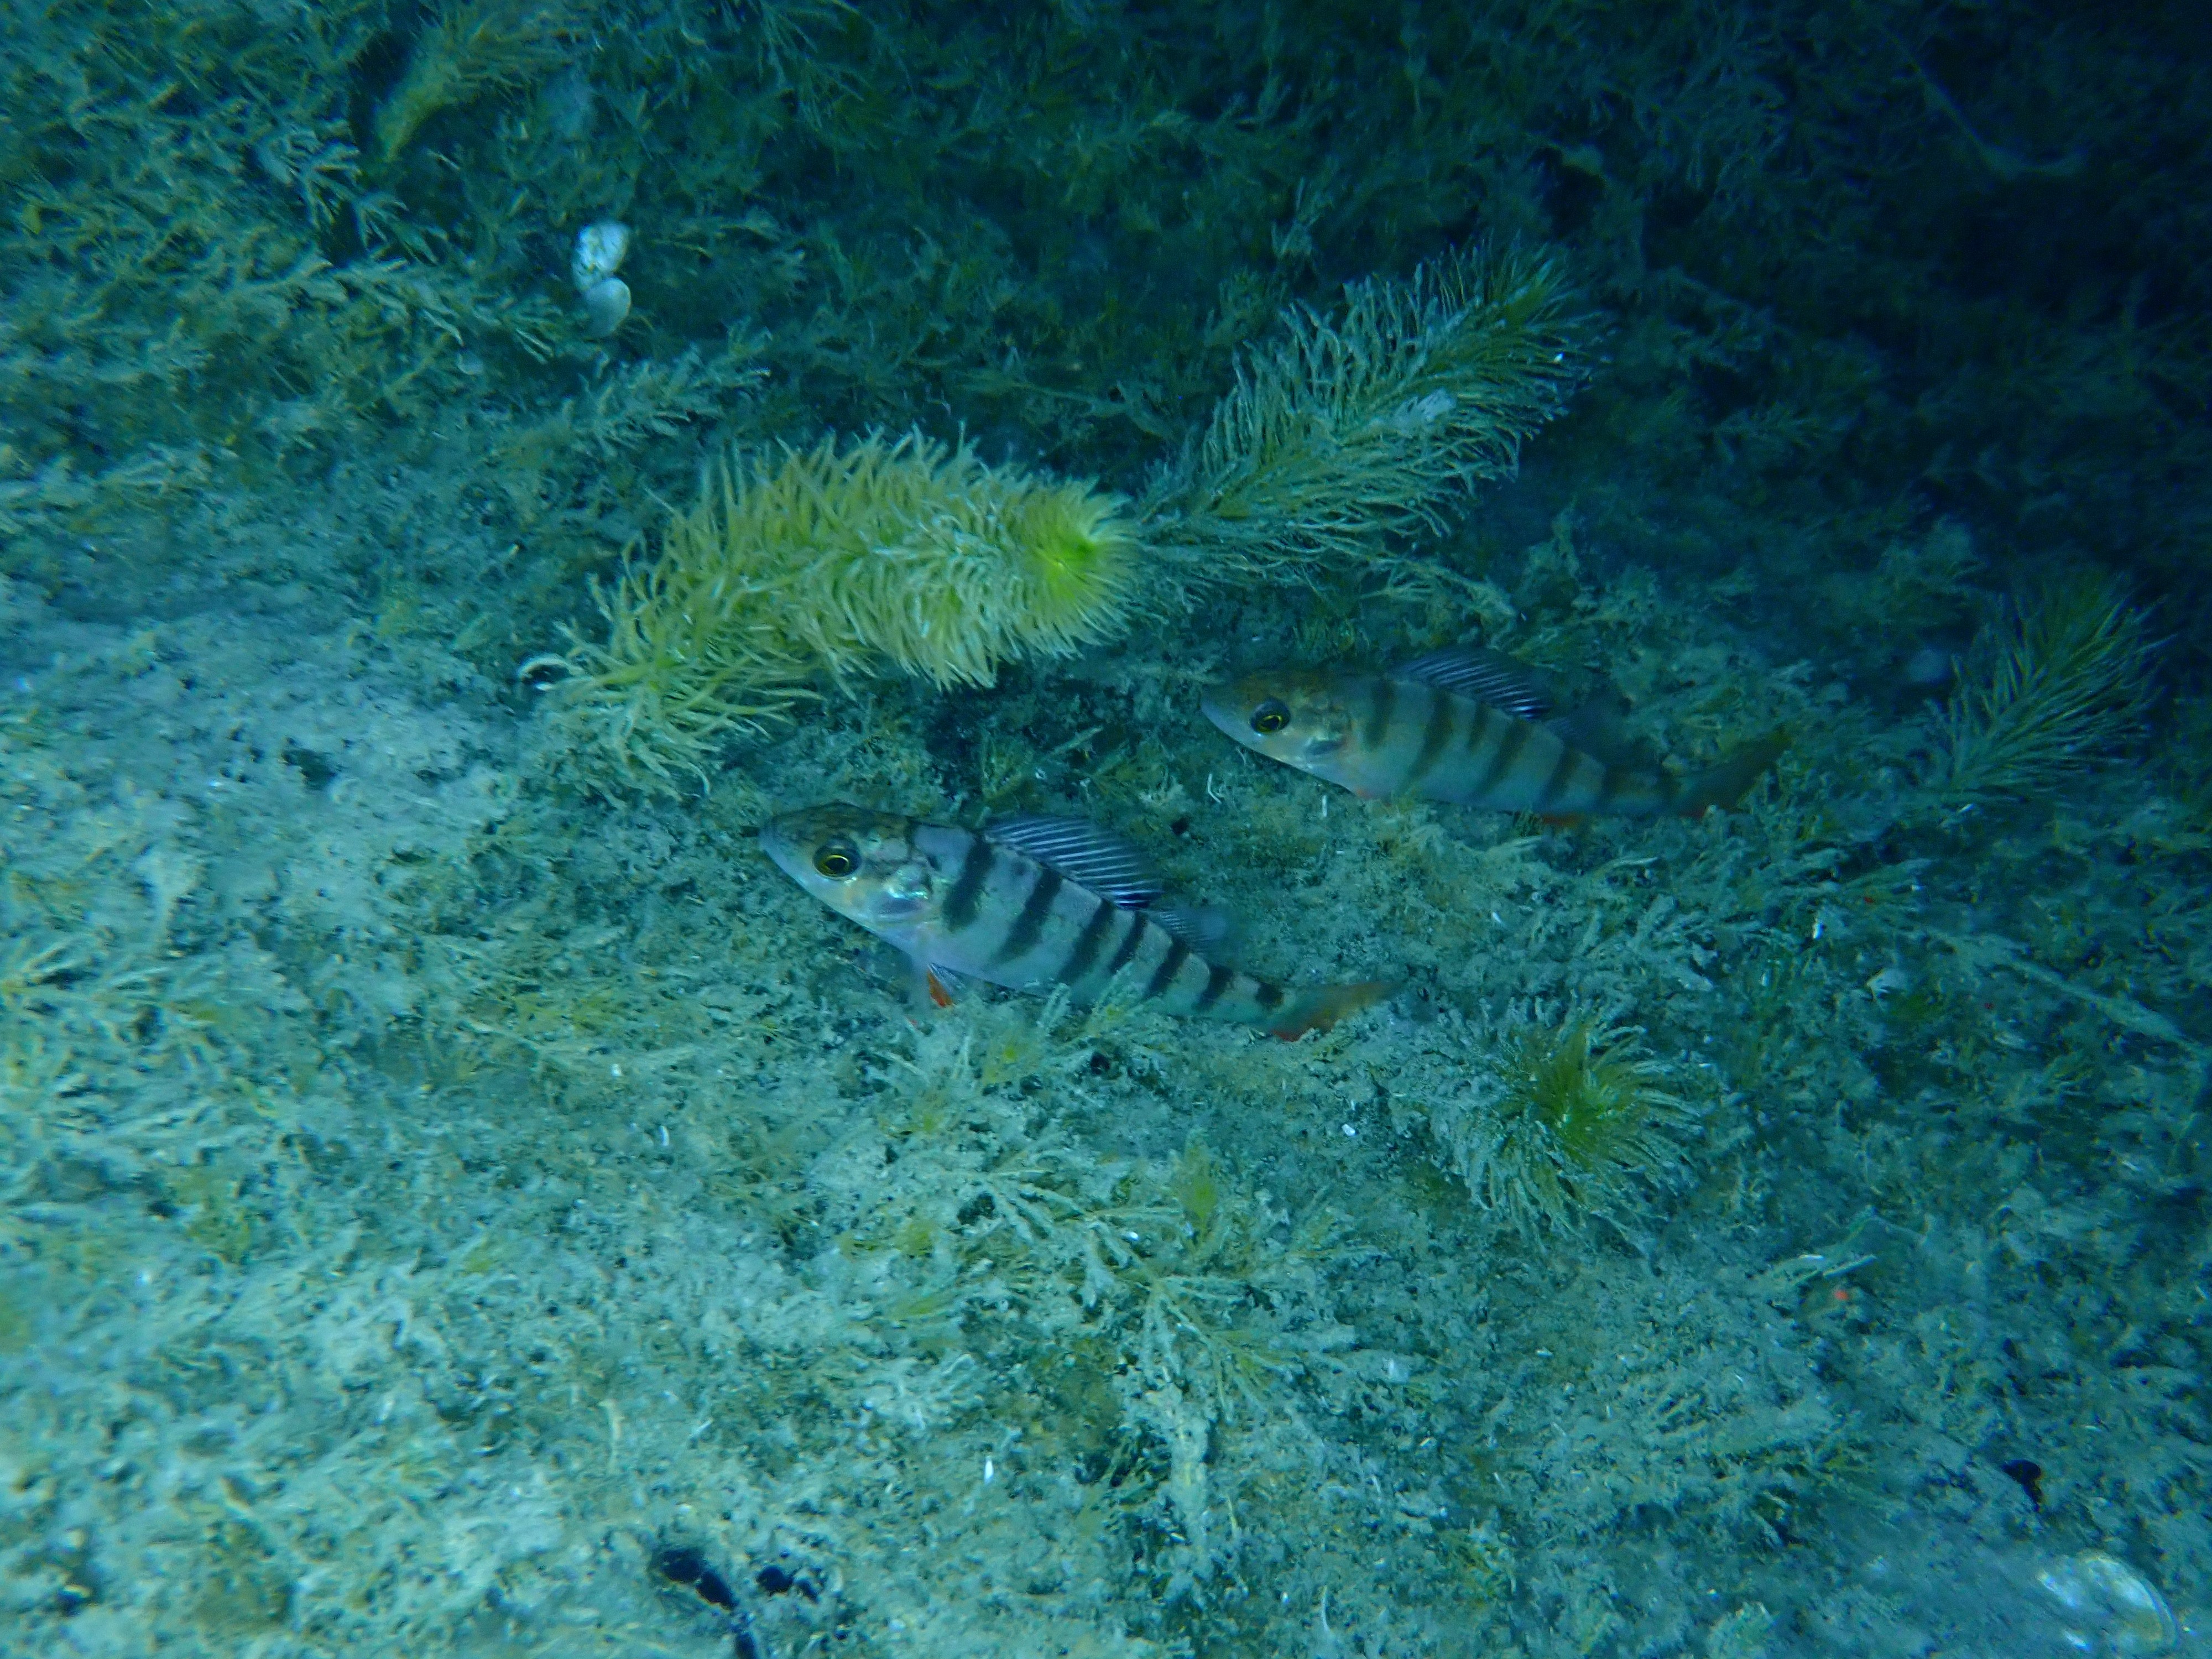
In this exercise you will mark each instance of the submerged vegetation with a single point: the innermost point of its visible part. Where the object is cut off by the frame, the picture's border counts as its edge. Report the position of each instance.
(1572, 1122)
(2052, 690)
(471, 49)
(1375, 421)
(446, 1211)
(926, 560)
(830, 562)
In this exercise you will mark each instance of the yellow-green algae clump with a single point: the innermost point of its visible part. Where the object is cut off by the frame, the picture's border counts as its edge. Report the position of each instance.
(1576, 1119)
(839, 559)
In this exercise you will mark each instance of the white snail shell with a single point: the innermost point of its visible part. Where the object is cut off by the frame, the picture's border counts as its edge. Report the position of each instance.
(600, 246)
(606, 302)
(2110, 1608)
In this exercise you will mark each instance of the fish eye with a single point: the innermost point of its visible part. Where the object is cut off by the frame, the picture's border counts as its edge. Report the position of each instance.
(1270, 717)
(836, 857)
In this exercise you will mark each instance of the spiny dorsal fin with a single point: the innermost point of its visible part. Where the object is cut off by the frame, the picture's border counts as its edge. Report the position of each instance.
(1490, 676)
(1086, 854)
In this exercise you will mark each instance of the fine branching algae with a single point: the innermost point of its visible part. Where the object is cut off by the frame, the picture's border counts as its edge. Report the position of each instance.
(470, 50)
(446, 1210)
(2053, 690)
(832, 562)
(1372, 421)
(922, 559)
(1573, 1121)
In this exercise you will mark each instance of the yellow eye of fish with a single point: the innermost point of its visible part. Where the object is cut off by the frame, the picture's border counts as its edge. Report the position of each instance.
(1270, 717)
(838, 858)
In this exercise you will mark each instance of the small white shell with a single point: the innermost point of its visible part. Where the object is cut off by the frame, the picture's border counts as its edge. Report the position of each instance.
(2111, 1608)
(600, 247)
(606, 302)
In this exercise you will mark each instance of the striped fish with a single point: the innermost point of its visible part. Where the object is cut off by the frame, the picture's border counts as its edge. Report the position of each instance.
(1032, 904)
(1468, 727)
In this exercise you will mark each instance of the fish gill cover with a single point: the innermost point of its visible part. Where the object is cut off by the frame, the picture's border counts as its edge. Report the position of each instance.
(467, 466)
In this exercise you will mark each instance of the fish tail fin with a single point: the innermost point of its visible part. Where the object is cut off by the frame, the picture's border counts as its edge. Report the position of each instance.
(1724, 784)
(1321, 1007)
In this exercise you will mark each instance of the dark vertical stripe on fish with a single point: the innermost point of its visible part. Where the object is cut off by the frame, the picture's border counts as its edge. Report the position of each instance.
(1609, 785)
(1130, 943)
(1510, 742)
(1561, 771)
(966, 897)
(1217, 981)
(1434, 736)
(1269, 997)
(1382, 698)
(1171, 965)
(1022, 937)
(1088, 943)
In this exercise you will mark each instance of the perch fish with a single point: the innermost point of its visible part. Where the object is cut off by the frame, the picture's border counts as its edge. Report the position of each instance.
(1468, 727)
(1032, 904)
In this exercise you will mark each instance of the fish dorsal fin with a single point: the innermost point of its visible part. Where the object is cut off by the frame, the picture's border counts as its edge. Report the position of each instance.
(1086, 854)
(1600, 729)
(1208, 933)
(1490, 676)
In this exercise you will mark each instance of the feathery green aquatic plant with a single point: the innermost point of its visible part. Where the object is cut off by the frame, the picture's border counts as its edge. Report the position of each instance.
(1576, 1118)
(908, 553)
(1374, 422)
(835, 560)
(469, 51)
(2052, 690)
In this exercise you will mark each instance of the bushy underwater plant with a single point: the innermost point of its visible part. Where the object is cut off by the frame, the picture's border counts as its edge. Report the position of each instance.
(1346, 429)
(470, 50)
(2055, 687)
(845, 557)
(1575, 1118)
(831, 560)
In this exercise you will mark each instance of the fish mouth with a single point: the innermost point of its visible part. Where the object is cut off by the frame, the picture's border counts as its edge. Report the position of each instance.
(779, 844)
(1219, 704)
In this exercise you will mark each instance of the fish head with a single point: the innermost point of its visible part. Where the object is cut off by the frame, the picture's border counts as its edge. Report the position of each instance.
(862, 864)
(1301, 719)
